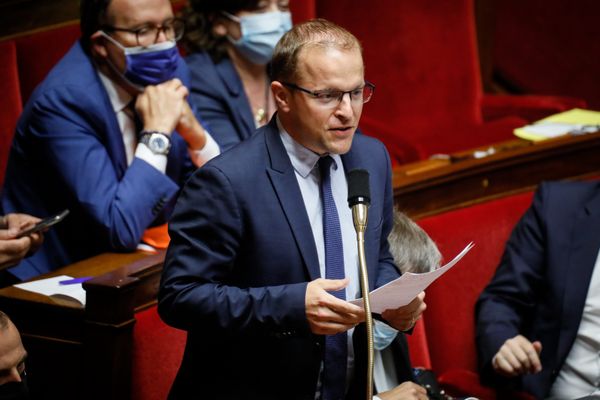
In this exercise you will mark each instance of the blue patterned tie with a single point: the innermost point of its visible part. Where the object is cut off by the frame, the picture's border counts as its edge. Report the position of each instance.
(336, 350)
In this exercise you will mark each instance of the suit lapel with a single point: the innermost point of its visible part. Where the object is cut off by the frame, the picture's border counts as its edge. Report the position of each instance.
(283, 179)
(582, 258)
(112, 135)
(238, 102)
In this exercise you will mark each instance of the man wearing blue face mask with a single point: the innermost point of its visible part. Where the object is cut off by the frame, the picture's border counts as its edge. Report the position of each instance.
(230, 44)
(109, 134)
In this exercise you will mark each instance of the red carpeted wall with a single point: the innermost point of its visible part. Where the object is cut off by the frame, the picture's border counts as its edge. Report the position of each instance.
(549, 47)
(422, 55)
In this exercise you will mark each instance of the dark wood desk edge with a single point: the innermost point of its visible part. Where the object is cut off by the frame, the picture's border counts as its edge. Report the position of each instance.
(511, 156)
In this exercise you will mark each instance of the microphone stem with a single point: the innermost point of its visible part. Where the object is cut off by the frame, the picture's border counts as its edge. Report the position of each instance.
(360, 214)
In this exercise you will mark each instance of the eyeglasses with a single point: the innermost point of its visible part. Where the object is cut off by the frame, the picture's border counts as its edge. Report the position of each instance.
(332, 98)
(148, 35)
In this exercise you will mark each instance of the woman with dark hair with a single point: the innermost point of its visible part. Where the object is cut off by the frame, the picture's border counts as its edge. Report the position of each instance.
(230, 43)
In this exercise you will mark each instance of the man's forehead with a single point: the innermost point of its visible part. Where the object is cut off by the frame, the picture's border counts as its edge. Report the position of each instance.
(130, 13)
(340, 63)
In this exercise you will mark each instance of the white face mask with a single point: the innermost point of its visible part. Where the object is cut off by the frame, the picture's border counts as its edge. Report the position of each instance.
(260, 34)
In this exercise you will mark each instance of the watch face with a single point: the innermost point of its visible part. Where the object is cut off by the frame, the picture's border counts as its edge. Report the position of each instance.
(158, 143)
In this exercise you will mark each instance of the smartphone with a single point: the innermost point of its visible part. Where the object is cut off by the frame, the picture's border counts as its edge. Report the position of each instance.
(44, 224)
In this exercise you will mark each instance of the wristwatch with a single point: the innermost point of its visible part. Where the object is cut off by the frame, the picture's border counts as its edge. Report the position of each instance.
(157, 142)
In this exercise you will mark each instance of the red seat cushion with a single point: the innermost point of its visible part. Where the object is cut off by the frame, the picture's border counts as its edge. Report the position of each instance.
(157, 352)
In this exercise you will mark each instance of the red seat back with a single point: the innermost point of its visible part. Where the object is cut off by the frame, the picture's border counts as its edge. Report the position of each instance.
(38, 52)
(451, 299)
(10, 100)
(157, 352)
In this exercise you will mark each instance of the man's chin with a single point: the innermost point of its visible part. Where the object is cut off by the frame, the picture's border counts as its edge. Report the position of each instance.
(340, 146)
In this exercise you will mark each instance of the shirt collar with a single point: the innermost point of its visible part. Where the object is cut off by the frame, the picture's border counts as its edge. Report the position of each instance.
(303, 160)
(119, 98)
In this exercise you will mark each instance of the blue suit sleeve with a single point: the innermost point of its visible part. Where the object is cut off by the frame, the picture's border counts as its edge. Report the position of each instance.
(198, 288)
(387, 269)
(73, 139)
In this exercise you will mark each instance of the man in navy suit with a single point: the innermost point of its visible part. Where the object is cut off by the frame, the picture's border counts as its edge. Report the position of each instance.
(108, 135)
(245, 267)
(538, 321)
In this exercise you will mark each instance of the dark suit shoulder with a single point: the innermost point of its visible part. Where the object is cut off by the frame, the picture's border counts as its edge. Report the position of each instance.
(569, 196)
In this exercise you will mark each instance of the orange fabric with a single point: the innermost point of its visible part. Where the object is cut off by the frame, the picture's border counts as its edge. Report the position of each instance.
(157, 237)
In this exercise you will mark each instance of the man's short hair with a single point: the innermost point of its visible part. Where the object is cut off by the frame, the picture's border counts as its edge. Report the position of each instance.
(314, 33)
(92, 14)
(412, 249)
(4, 321)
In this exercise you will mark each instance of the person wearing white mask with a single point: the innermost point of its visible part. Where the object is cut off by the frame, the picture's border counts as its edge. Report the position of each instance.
(230, 44)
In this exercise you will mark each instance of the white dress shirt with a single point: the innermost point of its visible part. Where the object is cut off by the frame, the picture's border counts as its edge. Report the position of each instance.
(304, 162)
(580, 373)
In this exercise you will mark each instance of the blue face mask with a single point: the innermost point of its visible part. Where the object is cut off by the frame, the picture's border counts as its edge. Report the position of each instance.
(260, 34)
(149, 65)
(383, 335)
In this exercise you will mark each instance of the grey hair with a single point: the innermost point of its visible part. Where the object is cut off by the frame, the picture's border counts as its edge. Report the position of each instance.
(413, 250)
(4, 321)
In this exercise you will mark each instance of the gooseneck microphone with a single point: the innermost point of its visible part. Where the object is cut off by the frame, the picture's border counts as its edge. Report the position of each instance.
(359, 199)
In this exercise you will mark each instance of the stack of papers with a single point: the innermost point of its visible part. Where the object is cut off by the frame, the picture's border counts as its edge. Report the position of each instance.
(575, 121)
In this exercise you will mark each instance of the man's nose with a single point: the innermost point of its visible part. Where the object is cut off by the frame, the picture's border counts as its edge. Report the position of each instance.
(344, 108)
(161, 36)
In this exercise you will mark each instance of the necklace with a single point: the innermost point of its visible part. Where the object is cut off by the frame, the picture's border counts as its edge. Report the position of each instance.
(262, 113)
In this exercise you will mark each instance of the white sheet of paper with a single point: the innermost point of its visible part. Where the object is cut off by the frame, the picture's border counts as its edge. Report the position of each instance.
(403, 290)
(51, 287)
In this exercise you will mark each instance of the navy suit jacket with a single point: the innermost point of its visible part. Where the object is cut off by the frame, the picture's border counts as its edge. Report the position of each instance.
(241, 255)
(68, 152)
(218, 93)
(540, 287)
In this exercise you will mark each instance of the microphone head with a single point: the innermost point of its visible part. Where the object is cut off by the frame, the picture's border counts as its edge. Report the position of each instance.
(359, 191)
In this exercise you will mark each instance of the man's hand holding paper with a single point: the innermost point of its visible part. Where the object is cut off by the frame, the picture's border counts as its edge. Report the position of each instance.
(403, 318)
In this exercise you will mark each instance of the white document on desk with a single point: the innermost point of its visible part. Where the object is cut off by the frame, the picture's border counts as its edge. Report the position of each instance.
(403, 290)
(51, 287)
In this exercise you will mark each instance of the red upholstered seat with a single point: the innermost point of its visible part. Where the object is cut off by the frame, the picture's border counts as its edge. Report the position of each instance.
(157, 352)
(423, 57)
(449, 318)
(38, 52)
(10, 100)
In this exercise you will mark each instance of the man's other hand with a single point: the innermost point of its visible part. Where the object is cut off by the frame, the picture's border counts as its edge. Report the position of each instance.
(404, 318)
(518, 356)
(160, 107)
(13, 250)
(405, 391)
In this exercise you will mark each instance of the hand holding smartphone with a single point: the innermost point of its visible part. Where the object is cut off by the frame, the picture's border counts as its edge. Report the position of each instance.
(43, 224)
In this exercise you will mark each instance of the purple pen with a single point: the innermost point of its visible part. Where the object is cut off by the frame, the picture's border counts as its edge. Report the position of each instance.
(75, 280)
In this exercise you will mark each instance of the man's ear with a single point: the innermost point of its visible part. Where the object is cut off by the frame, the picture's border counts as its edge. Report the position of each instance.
(281, 95)
(98, 45)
